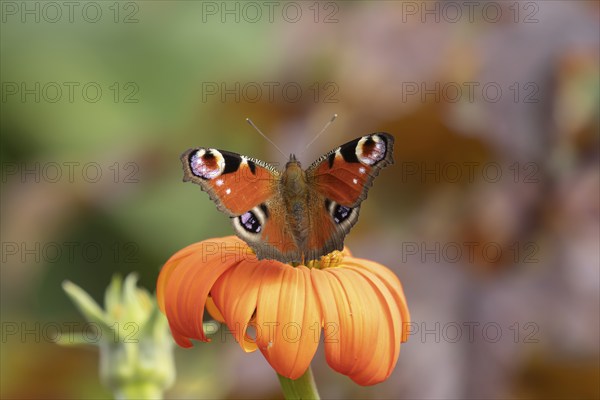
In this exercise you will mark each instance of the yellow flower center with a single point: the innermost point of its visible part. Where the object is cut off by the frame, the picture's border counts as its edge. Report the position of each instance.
(330, 260)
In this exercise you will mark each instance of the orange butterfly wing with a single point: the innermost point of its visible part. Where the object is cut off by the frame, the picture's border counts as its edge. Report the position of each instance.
(247, 190)
(340, 181)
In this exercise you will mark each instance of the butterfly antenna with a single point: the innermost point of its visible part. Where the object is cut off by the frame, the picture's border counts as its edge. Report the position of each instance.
(322, 130)
(248, 120)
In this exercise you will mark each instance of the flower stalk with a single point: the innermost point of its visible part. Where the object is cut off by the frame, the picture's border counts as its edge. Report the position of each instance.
(302, 388)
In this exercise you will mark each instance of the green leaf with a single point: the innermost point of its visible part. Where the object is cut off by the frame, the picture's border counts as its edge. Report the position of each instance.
(85, 304)
(112, 297)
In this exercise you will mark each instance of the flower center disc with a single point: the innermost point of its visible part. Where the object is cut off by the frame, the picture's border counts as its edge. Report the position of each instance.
(330, 260)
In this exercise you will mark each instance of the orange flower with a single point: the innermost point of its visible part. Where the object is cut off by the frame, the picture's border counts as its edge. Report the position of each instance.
(358, 304)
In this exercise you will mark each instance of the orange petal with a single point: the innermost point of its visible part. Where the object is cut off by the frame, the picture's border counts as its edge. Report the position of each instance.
(188, 277)
(288, 319)
(235, 294)
(328, 291)
(168, 269)
(213, 310)
(390, 329)
(363, 320)
(390, 279)
(360, 341)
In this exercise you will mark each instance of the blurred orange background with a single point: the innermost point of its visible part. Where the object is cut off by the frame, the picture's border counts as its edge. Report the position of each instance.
(490, 216)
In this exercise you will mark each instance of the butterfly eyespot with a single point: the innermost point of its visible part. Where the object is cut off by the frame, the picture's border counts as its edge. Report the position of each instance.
(341, 213)
(207, 163)
(370, 149)
(250, 222)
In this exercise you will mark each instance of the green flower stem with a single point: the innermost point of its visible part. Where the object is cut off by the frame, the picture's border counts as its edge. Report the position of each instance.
(138, 391)
(302, 388)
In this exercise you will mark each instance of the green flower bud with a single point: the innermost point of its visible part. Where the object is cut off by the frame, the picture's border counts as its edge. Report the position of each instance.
(136, 347)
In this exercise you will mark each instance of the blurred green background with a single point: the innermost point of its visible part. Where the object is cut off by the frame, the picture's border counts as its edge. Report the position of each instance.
(490, 216)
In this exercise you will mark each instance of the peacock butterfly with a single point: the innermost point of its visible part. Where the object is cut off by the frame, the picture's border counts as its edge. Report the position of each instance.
(296, 215)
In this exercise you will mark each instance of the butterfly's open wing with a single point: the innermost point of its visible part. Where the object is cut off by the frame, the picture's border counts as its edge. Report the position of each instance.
(245, 189)
(340, 180)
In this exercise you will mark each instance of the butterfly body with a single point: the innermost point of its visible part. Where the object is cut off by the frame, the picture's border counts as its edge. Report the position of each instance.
(296, 197)
(295, 215)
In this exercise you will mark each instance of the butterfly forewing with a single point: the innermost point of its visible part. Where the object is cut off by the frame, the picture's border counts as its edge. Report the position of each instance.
(345, 174)
(236, 183)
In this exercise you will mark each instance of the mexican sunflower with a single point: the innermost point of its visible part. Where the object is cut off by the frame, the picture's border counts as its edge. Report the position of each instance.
(357, 305)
